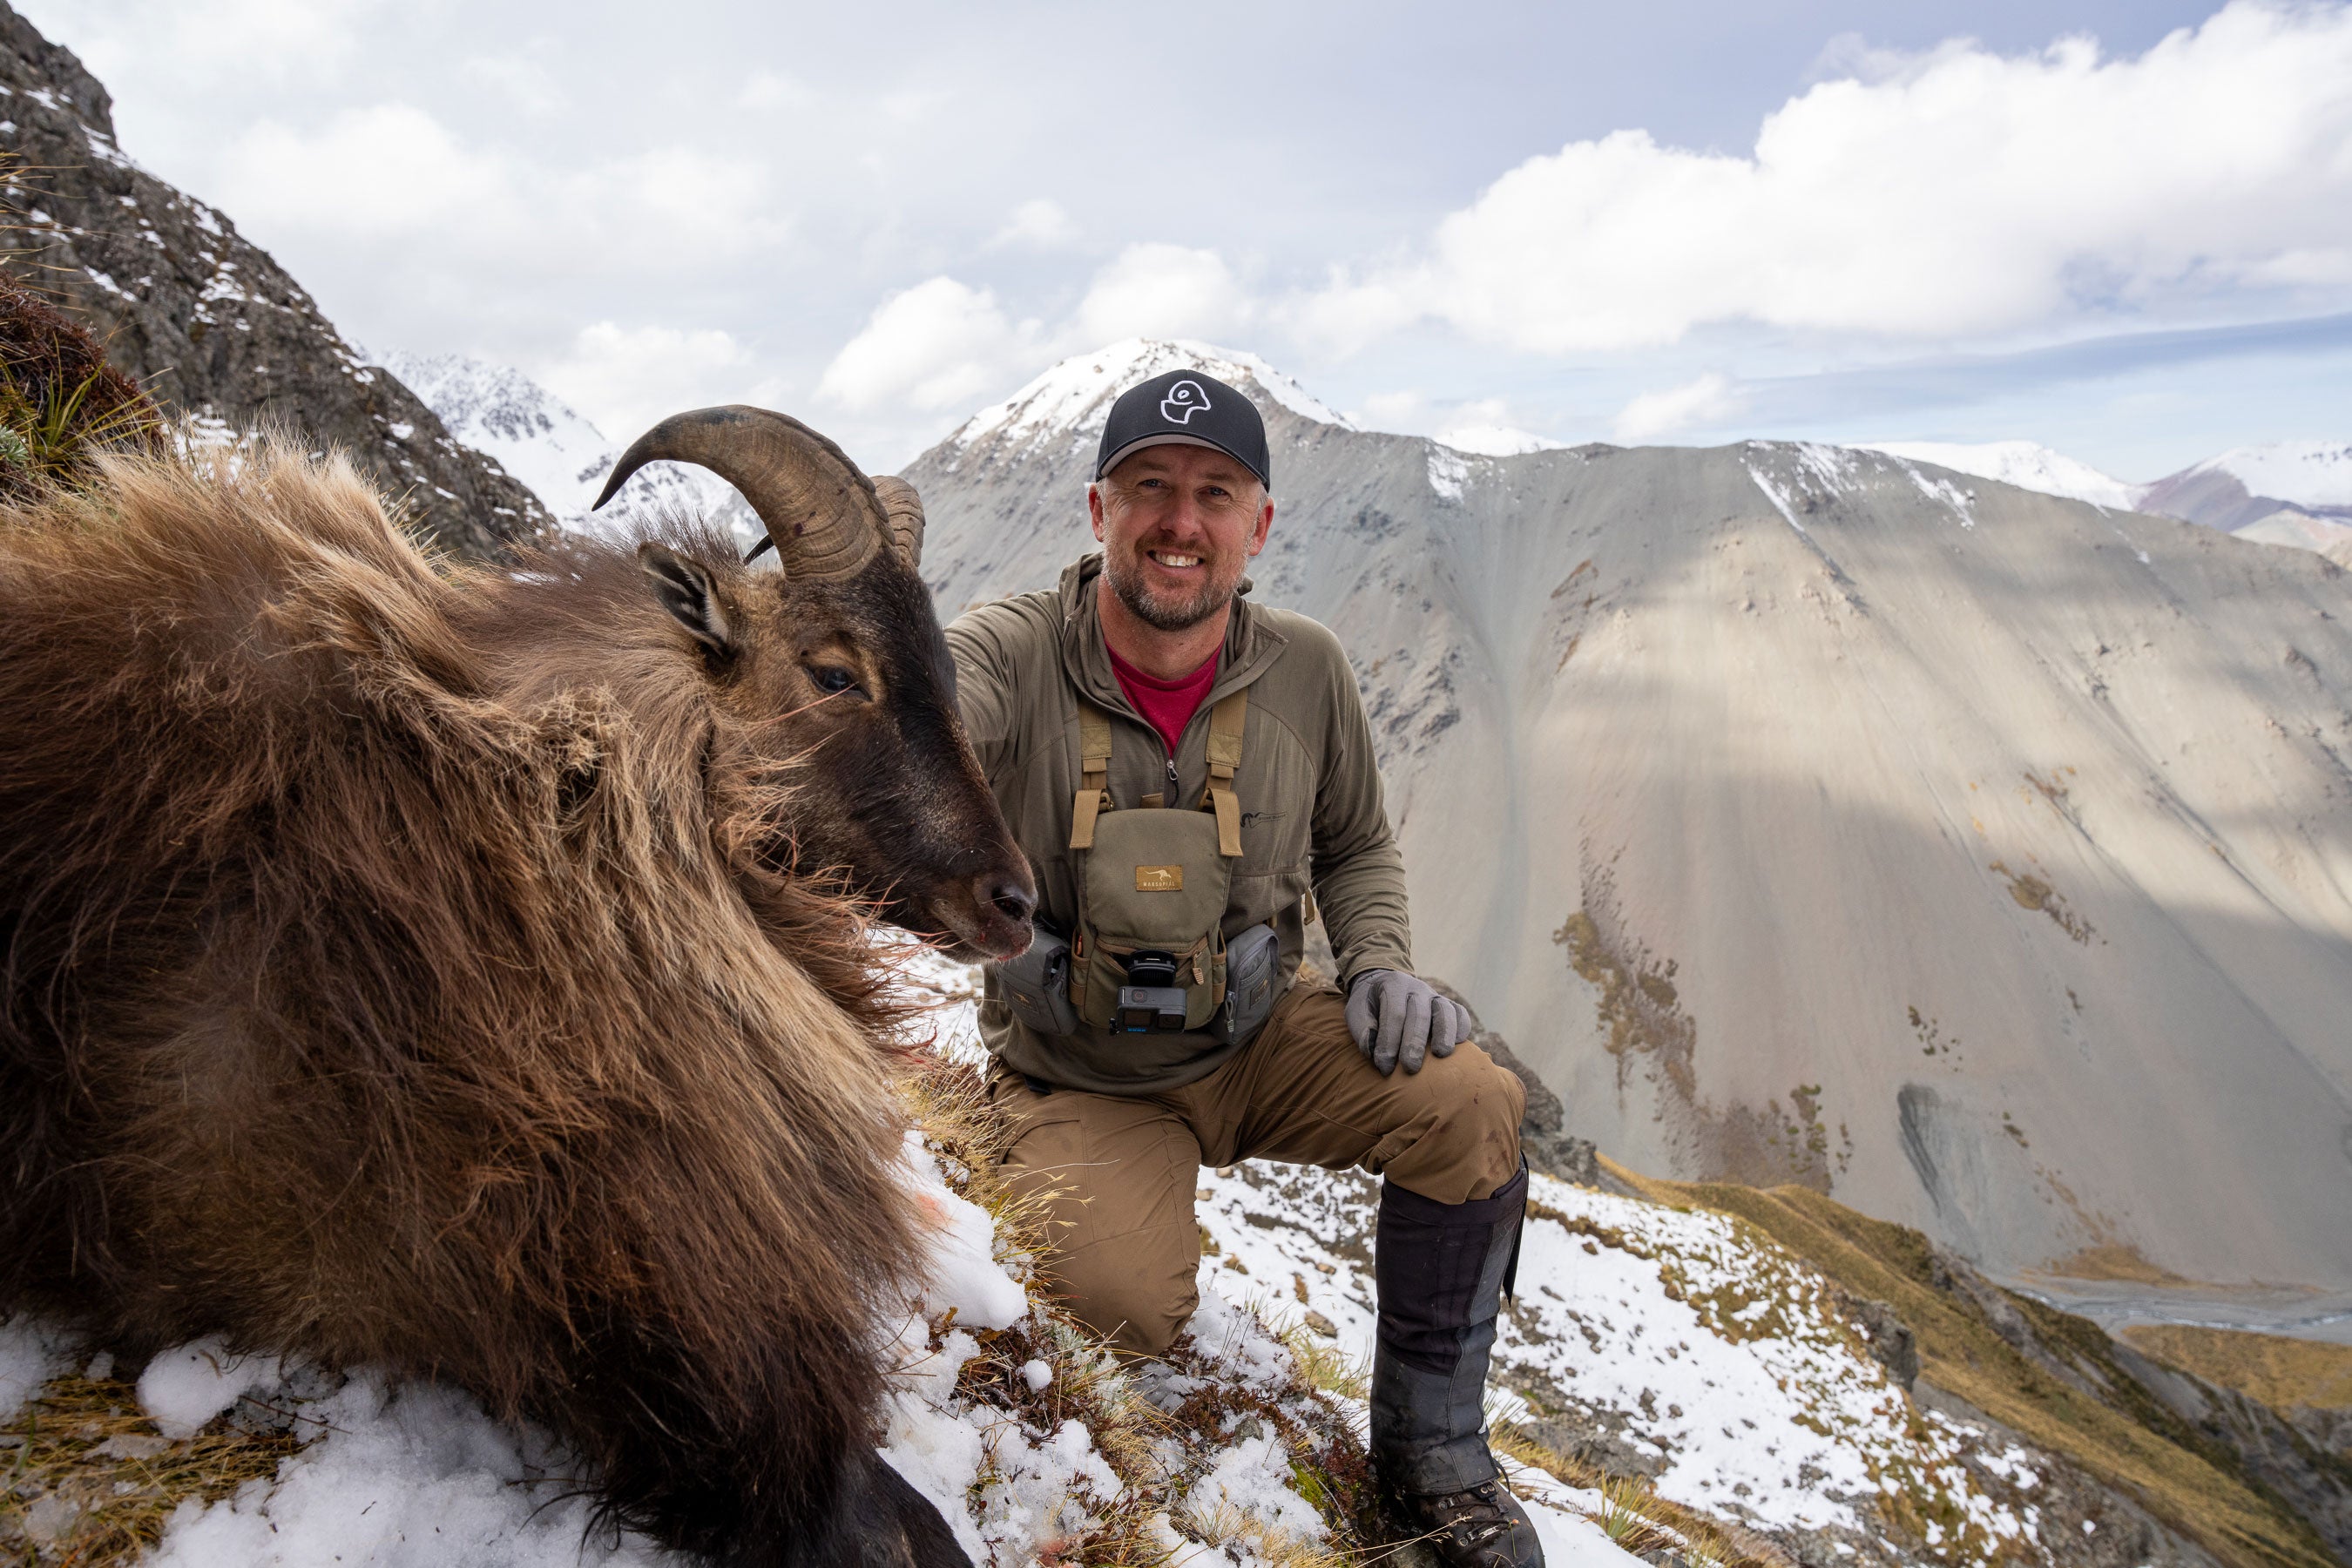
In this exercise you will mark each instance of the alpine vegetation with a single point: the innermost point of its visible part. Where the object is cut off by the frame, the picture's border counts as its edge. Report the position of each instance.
(465, 973)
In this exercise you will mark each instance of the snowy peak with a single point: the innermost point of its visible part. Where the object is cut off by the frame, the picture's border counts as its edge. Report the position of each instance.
(1074, 399)
(2248, 485)
(2028, 465)
(2313, 475)
(497, 409)
(553, 449)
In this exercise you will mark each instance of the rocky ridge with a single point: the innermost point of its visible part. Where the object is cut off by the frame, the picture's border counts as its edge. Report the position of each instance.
(205, 320)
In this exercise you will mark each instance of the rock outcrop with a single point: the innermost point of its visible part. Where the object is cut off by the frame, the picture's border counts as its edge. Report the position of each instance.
(205, 320)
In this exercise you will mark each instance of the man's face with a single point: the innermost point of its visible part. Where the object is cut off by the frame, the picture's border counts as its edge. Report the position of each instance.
(1178, 525)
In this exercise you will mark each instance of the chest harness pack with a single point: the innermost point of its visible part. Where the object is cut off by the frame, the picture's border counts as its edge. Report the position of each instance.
(1149, 954)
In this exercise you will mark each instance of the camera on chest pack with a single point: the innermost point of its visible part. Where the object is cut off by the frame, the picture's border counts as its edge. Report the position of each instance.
(1150, 955)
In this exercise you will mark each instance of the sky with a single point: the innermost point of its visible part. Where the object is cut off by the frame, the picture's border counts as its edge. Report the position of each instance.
(2123, 229)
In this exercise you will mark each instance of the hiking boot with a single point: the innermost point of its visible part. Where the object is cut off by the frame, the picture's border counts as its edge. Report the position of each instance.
(1442, 1270)
(1484, 1527)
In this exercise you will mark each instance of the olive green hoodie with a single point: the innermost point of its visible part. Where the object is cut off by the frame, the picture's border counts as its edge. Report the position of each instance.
(1310, 793)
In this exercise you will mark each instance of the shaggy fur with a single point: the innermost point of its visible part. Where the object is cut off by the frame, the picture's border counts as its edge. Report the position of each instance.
(405, 967)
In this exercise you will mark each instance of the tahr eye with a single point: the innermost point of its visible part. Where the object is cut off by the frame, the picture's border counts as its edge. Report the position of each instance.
(832, 680)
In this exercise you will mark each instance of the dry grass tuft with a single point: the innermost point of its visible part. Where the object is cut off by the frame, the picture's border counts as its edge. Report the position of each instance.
(88, 1481)
(1629, 1507)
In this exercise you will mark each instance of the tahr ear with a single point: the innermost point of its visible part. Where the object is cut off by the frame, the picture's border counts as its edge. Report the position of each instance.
(686, 591)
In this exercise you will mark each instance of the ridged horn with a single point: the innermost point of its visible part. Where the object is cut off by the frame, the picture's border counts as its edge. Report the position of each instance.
(822, 515)
(905, 510)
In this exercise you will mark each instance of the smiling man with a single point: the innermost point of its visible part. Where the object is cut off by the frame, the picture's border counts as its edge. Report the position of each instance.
(1191, 775)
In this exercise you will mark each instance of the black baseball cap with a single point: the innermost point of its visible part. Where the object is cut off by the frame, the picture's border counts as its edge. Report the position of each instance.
(1185, 408)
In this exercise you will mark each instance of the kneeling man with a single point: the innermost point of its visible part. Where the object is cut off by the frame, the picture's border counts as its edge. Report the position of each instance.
(1191, 776)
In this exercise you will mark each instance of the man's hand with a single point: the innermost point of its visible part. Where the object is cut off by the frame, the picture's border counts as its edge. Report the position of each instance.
(1398, 1018)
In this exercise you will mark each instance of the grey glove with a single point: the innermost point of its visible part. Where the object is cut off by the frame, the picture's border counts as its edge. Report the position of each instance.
(1398, 1018)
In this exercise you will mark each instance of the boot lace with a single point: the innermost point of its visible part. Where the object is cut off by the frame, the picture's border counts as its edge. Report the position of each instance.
(1473, 1528)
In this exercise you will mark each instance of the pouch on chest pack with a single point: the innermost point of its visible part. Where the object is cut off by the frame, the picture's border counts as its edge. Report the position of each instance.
(1149, 954)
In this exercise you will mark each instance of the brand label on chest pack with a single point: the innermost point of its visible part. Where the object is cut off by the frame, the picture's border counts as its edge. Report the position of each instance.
(1159, 879)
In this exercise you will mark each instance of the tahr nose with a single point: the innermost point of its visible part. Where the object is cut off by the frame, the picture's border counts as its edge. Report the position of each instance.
(1009, 895)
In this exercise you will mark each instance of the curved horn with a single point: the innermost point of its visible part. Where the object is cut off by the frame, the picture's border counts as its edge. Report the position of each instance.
(820, 513)
(905, 510)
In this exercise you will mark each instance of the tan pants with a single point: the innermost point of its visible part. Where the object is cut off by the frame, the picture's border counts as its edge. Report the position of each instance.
(1119, 1172)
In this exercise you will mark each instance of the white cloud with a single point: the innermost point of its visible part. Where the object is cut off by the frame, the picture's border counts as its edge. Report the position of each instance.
(236, 41)
(1160, 291)
(1708, 400)
(391, 170)
(944, 344)
(1039, 224)
(938, 345)
(773, 89)
(1937, 196)
(624, 379)
(524, 83)
(373, 172)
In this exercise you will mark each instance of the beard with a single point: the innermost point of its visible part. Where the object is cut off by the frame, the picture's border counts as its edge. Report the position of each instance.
(1170, 611)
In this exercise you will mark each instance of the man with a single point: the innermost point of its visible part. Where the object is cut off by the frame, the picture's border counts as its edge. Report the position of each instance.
(1105, 715)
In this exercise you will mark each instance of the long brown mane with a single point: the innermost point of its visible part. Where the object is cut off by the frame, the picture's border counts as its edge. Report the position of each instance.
(399, 968)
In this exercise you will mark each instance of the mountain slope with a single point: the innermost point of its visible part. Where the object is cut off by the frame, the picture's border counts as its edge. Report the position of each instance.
(208, 322)
(1815, 815)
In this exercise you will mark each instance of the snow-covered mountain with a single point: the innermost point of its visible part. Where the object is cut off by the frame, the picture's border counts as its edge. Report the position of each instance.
(1808, 815)
(2252, 485)
(540, 441)
(2028, 465)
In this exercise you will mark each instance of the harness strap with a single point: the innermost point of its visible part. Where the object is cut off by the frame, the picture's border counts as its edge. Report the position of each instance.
(1094, 774)
(1227, 719)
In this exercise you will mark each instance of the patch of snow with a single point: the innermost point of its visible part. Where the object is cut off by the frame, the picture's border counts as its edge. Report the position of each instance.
(413, 1476)
(181, 1389)
(1962, 502)
(1249, 1486)
(2028, 465)
(30, 1355)
(1449, 471)
(1772, 493)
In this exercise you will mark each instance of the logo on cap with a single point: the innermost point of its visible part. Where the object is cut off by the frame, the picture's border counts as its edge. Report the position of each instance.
(1183, 400)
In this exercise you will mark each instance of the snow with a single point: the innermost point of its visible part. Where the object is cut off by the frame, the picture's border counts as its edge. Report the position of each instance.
(1072, 401)
(2028, 465)
(1772, 493)
(1449, 471)
(30, 1355)
(181, 1389)
(1721, 1354)
(406, 1477)
(1249, 1486)
(2309, 473)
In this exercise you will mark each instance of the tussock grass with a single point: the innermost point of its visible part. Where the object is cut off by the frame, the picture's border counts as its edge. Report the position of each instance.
(89, 1482)
(1630, 1508)
(2281, 1372)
